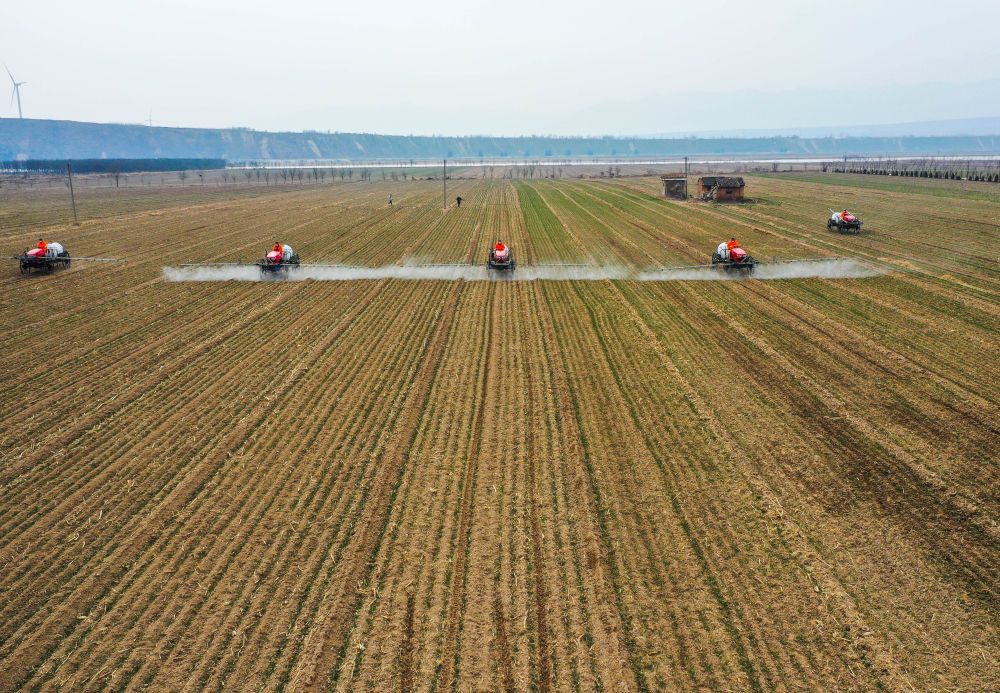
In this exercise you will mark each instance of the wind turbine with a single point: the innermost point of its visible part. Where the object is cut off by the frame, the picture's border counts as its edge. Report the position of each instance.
(16, 92)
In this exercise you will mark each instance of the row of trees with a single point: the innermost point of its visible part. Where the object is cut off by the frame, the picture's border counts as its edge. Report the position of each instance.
(950, 174)
(308, 175)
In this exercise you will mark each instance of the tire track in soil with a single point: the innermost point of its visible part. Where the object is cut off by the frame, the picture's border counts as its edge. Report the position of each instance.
(804, 552)
(456, 600)
(63, 619)
(887, 479)
(406, 658)
(699, 551)
(417, 550)
(538, 564)
(328, 640)
(611, 652)
(977, 412)
(502, 645)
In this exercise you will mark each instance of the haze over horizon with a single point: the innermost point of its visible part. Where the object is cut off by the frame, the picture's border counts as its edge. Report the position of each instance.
(473, 68)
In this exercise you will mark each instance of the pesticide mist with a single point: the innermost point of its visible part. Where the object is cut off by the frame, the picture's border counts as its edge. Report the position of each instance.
(469, 273)
(830, 269)
(826, 269)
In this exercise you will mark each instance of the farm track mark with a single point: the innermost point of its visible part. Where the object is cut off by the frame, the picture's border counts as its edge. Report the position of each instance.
(456, 598)
(331, 632)
(538, 563)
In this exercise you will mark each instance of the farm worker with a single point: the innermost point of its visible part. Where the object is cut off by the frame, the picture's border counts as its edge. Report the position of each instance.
(43, 245)
(459, 200)
(733, 243)
(390, 199)
(499, 245)
(277, 249)
(843, 215)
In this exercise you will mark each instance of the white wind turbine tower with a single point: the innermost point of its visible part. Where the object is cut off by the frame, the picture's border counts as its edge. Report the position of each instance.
(16, 92)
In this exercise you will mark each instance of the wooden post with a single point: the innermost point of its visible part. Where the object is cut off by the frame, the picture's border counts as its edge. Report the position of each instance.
(685, 178)
(72, 197)
(444, 179)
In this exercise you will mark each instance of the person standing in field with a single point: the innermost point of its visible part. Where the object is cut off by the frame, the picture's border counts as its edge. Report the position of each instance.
(459, 200)
(390, 199)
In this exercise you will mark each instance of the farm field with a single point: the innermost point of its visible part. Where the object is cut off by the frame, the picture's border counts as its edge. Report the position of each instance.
(433, 485)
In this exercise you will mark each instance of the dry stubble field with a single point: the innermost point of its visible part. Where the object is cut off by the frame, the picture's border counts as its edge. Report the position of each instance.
(503, 485)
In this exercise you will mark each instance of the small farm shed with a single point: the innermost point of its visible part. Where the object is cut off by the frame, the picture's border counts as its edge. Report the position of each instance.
(675, 187)
(721, 188)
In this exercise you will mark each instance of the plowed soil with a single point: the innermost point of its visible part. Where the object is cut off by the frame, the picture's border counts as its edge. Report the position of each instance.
(432, 485)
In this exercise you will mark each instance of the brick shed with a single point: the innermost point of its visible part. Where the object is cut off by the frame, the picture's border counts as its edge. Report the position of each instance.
(675, 187)
(721, 188)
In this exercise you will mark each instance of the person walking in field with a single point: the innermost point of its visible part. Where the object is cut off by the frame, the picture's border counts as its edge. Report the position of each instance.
(459, 200)
(390, 199)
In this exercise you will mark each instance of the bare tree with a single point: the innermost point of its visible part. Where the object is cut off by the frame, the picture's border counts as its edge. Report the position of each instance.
(182, 175)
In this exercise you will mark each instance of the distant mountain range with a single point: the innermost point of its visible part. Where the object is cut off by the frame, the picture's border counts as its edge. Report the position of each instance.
(928, 128)
(61, 139)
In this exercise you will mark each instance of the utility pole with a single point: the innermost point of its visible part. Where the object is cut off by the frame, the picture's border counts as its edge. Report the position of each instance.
(444, 179)
(685, 177)
(72, 197)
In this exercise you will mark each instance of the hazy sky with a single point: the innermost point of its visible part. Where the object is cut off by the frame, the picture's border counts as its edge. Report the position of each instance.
(511, 67)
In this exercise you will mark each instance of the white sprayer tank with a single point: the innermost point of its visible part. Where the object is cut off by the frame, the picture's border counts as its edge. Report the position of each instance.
(286, 250)
(723, 250)
(54, 249)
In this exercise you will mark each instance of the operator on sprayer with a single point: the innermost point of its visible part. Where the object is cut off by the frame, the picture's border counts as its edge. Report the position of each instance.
(725, 248)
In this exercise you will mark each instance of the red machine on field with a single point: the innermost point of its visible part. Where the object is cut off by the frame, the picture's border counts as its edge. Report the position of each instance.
(844, 221)
(276, 263)
(732, 258)
(48, 256)
(501, 257)
(281, 258)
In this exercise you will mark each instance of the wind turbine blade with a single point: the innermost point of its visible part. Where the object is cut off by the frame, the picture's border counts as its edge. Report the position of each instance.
(8, 72)
(12, 92)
